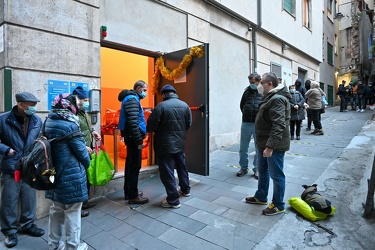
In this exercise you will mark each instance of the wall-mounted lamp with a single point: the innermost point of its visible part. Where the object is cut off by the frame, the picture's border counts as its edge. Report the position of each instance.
(284, 46)
(339, 16)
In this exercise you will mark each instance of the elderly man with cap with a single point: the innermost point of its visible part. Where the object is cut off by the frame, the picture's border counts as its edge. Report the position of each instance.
(18, 129)
(170, 120)
(88, 135)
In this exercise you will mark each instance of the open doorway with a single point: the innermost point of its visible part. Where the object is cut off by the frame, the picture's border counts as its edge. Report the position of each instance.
(120, 70)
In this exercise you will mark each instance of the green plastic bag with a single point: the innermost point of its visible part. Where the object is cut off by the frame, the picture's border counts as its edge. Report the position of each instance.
(306, 211)
(101, 168)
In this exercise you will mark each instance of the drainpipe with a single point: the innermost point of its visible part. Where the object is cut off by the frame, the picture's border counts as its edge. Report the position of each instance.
(254, 34)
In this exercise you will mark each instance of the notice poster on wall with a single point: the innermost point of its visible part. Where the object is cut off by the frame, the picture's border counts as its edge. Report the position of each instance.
(56, 87)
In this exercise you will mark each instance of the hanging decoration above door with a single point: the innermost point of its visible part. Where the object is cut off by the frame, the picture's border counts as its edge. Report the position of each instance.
(160, 68)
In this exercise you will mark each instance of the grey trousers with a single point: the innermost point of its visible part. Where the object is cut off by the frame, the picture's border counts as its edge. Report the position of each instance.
(11, 193)
(68, 217)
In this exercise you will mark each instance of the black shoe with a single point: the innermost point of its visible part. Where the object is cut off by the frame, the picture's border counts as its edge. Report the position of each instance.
(292, 137)
(298, 138)
(242, 172)
(84, 213)
(256, 176)
(34, 231)
(88, 204)
(140, 193)
(308, 129)
(11, 240)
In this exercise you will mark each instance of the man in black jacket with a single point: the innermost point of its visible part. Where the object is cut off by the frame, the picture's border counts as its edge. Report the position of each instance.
(169, 120)
(133, 128)
(249, 107)
(18, 130)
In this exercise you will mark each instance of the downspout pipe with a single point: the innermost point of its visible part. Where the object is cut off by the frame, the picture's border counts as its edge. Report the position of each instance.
(254, 34)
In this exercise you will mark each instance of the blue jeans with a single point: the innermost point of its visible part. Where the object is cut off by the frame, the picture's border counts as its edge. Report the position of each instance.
(271, 167)
(247, 130)
(11, 193)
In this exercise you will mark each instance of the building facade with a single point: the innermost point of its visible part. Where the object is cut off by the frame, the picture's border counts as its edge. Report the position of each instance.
(44, 46)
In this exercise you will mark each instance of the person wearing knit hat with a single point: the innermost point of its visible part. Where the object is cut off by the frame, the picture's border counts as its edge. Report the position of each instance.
(169, 121)
(19, 129)
(88, 135)
(168, 88)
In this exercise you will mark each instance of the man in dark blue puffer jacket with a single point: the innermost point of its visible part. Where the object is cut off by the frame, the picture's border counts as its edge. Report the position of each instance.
(18, 130)
(169, 120)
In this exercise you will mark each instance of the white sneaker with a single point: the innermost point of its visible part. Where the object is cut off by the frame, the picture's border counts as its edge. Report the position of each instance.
(358, 110)
(82, 246)
(362, 110)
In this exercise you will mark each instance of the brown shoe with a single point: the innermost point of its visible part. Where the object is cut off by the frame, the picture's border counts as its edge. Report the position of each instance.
(138, 200)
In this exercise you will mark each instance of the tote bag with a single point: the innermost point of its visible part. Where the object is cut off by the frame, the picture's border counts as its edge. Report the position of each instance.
(101, 168)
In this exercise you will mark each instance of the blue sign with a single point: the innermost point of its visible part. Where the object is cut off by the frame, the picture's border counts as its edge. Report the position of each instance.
(74, 85)
(56, 87)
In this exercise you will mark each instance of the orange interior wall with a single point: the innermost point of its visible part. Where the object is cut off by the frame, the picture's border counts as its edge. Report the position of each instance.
(120, 70)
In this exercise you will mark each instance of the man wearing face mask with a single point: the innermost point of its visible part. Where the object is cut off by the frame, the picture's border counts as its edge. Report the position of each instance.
(88, 135)
(18, 130)
(273, 140)
(133, 129)
(249, 105)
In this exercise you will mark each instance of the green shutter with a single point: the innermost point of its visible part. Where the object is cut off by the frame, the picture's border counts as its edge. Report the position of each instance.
(7, 89)
(329, 53)
(289, 5)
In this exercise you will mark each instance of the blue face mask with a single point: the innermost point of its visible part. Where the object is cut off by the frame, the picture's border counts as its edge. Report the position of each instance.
(31, 110)
(143, 94)
(292, 91)
(85, 106)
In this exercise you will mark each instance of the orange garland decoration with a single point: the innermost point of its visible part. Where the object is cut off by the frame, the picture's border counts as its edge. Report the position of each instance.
(160, 68)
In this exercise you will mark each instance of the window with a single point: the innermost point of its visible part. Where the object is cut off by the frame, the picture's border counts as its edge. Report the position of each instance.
(329, 53)
(290, 6)
(329, 6)
(335, 42)
(276, 68)
(307, 13)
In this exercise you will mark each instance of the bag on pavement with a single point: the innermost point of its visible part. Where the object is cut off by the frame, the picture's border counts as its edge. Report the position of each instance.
(101, 169)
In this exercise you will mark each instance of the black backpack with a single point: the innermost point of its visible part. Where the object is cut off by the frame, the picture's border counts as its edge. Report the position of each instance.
(37, 168)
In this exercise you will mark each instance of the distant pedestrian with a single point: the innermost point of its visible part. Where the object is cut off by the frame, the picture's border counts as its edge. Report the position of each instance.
(299, 87)
(343, 93)
(273, 140)
(362, 96)
(314, 100)
(71, 159)
(308, 111)
(18, 130)
(297, 114)
(170, 120)
(132, 125)
(249, 106)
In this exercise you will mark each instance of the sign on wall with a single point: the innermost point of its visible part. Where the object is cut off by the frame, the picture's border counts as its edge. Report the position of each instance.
(56, 87)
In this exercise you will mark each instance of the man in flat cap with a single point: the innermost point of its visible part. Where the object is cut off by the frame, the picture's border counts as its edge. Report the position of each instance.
(18, 129)
(170, 120)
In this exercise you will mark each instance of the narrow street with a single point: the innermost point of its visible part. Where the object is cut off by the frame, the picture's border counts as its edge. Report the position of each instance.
(215, 216)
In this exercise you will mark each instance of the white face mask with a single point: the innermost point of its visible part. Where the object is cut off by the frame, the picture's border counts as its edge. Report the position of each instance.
(260, 89)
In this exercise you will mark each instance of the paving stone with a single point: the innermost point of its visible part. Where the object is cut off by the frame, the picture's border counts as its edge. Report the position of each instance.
(224, 239)
(147, 224)
(206, 206)
(181, 222)
(106, 241)
(142, 241)
(183, 240)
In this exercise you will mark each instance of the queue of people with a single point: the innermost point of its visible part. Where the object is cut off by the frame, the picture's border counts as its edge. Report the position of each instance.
(356, 95)
(272, 115)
